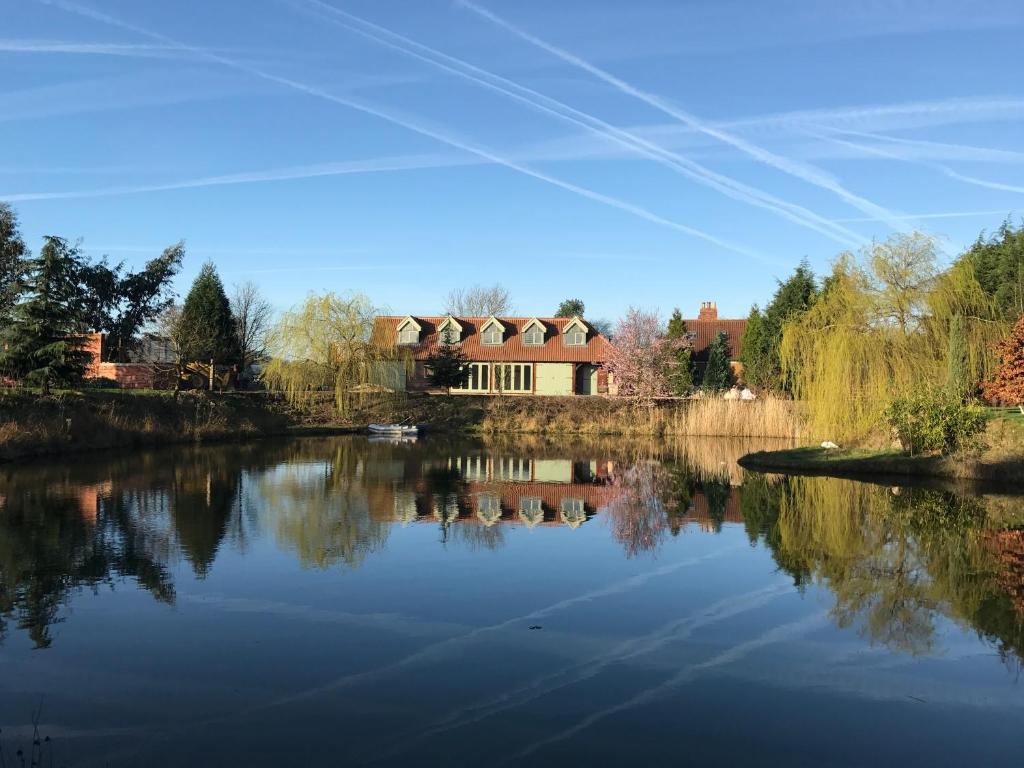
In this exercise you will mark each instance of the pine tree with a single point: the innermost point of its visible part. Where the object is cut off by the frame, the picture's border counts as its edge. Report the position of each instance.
(717, 372)
(43, 343)
(1008, 385)
(447, 366)
(206, 326)
(755, 354)
(760, 355)
(13, 254)
(958, 382)
(570, 308)
(679, 354)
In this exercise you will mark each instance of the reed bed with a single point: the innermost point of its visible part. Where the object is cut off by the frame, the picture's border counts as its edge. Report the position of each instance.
(712, 417)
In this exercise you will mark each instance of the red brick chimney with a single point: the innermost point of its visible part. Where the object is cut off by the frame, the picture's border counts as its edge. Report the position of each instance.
(708, 311)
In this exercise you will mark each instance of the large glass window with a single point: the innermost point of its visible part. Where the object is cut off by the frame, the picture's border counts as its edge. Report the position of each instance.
(492, 335)
(408, 335)
(479, 378)
(513, 377)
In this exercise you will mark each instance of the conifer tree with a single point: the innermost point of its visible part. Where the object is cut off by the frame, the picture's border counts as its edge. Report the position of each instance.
(717, 372)
(207, 327)
(12, 260)
(679, 355)
(447, 367)
(1007, 386)
(43, 342)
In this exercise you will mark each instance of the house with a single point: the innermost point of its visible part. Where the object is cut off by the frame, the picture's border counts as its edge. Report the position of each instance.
(706, 326)
(150, 366)
(507, 355)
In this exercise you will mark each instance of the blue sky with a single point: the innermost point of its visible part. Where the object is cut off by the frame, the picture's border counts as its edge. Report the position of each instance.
(647, 153)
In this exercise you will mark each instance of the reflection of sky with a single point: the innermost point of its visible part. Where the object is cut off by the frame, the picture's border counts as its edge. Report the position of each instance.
(701, 649)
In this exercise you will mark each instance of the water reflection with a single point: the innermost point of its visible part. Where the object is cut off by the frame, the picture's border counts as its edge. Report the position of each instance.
(895, 560)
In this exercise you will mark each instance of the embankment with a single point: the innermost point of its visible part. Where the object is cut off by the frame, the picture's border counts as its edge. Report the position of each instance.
(33, 425)
(997, 460)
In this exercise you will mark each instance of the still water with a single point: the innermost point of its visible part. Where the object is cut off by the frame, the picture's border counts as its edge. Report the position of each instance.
(344, 602)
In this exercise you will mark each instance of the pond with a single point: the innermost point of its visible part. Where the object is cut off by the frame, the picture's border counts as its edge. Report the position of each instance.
(448, 602)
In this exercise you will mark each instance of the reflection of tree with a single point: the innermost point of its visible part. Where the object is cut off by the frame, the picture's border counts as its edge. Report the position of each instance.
(203, 491)
(895, 560)
(637, 514)
(49, 549)
(320, 506)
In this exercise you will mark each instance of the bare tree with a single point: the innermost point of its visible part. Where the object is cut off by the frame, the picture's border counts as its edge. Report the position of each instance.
(253, 314)
(479, 301)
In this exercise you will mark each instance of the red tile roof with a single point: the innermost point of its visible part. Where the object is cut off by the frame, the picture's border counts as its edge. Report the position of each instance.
(596, 350)
(704, 332)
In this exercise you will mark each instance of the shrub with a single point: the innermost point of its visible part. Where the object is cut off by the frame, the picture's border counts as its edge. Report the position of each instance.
(933, 422)
(102, 382)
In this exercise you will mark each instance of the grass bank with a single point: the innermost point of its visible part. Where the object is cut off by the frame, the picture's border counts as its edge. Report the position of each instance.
(68, 422)
(998, 458)
(767, 418)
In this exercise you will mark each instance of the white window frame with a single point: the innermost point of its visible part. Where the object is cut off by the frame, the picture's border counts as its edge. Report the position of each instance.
(404, 335)
(493, 336)
(480, 371)
(533, 336)
(507, 372)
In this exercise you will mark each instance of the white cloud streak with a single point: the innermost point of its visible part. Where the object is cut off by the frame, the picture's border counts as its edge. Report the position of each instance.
(415, 125)
(549, 106)
(946, 215)
(376, 165)
(98, 49)
(802, 171)
(686, 674)
(893, 154)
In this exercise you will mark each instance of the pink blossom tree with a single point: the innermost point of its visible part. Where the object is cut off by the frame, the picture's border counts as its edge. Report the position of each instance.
(642, 357)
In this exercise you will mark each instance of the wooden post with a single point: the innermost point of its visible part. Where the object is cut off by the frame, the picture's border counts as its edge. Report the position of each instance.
(211, 374)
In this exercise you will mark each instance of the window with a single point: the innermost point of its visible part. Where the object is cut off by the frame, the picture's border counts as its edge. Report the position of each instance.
(574, 513)
(531, 510)
(488, 508)
(408, 335)
(493, 335)
(534, 336)
(513, 377)
(479, 378)
(512, 469)
(576, 338)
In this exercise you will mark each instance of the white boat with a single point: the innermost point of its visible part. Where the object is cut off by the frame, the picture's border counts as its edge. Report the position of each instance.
(395, 430)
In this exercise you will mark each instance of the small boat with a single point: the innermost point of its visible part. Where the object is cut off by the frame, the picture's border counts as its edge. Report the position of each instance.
(395, 430)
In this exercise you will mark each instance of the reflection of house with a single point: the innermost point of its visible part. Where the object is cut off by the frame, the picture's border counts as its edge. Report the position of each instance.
(507, 355)
(709, 518)
(503, 489)
(707, 326)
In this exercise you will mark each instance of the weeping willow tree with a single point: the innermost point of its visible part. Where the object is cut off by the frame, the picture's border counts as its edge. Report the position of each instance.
(326, 345)
(868, 337)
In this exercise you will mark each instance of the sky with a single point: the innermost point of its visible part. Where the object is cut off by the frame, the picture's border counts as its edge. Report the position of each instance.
(651, 153)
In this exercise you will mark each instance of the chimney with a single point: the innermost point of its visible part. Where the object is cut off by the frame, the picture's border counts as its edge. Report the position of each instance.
(708, 311)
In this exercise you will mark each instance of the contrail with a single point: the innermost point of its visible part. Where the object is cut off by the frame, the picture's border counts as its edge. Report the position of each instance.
(543, 103)
(737, 652)
(378, 165)
(801, 171)
(418, 127)
(947, 215)
(945, 170)
(672, 632)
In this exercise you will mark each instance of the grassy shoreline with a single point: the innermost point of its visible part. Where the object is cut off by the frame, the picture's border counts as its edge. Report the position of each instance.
(78, 421)
(998, 459)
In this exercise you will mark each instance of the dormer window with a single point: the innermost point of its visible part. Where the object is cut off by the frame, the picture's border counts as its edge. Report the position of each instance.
(409, 331)
(533, 333)
(492, 333)
(575, 333)
(449, 331)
